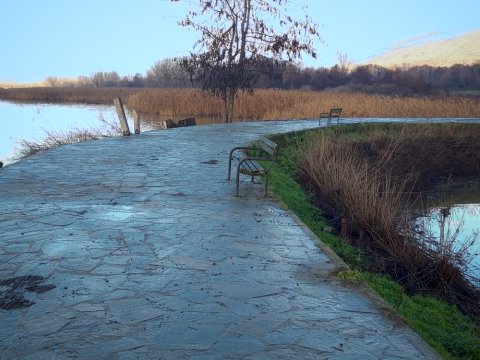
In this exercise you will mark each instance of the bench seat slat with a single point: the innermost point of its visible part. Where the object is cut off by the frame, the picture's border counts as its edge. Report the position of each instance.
(268, 145)
(251, 167)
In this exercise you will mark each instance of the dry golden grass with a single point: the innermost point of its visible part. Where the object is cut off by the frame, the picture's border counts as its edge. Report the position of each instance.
(282, 104)
(66, 94)
(13, 84)
(462, 49)
(58, 138)
(263, 105)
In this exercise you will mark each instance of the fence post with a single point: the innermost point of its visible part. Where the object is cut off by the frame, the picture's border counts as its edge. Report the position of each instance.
(136, 121)
(121, 116)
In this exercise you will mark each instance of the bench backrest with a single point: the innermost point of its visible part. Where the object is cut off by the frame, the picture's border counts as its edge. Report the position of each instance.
(268, 146)
(335, 112)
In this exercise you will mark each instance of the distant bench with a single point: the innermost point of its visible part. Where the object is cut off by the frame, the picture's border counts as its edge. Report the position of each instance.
(334, 113)
(248, 165)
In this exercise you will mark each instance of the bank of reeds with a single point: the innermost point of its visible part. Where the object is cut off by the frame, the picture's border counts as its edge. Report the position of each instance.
(268, 104)
(369, 178)
(69, 95)
(282, 104)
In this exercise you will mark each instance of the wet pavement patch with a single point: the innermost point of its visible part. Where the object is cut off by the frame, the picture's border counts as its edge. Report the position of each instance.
(12, 290)
(210, 162)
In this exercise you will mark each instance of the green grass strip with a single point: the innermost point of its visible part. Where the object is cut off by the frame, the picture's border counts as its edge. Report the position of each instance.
(442, 326)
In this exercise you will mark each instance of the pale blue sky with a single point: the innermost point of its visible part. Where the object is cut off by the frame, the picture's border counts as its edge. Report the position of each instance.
(64, 38)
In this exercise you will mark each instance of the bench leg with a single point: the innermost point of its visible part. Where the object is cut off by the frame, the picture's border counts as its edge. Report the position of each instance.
(265, 190)
(238, 183)
(229, 167)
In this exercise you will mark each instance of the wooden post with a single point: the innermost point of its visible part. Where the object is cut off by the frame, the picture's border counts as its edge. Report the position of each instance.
(345, 228)
(121, 116)
(136, 121)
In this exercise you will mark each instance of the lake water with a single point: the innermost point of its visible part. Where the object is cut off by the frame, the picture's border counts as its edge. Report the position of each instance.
(31, 122)
(458, 218)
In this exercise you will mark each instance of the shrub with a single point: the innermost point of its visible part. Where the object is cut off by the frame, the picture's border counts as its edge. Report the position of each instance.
(367, 179)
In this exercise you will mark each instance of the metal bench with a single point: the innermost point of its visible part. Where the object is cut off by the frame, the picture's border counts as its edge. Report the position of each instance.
(334, 113)
(265, 149)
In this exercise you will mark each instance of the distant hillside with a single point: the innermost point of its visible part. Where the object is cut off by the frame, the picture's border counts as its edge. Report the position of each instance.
(464, 49)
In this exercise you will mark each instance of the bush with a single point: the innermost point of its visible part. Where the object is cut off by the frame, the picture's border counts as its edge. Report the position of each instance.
(366, 176)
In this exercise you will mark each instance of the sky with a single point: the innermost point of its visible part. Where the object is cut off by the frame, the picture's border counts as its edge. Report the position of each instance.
(71, 38)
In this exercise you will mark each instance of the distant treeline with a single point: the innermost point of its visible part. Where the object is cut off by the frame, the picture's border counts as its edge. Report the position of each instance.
(423, 80)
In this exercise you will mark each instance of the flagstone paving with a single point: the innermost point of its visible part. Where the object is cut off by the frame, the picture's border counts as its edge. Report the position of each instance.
(135, 248)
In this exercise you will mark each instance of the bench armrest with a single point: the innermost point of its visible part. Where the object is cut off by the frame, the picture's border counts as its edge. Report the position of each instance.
(230, 157)
(240, 148)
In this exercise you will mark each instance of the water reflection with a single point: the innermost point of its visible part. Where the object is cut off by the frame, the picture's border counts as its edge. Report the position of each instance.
(31, 122)
(456, 227)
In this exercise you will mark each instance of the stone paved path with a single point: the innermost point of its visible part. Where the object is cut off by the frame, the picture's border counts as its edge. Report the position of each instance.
(152, 257)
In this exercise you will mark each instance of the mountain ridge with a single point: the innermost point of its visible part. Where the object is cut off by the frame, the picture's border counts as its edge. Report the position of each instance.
(463, 49)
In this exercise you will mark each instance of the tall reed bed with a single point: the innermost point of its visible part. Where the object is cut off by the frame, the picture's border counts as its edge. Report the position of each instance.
(282, 104)
(73, 95)
(167, 103)
(371, 175)
(268, 104)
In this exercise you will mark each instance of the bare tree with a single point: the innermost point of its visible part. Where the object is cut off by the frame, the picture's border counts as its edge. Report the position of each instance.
(242, 39)
(167, 73)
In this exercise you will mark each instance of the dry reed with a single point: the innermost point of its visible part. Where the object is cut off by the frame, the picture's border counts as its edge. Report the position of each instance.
(54, 139)
(370, 182)
(262, 105)
(282, 104)
(74, 95)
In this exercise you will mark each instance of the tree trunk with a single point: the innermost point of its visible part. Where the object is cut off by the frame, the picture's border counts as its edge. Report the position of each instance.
(228, 98)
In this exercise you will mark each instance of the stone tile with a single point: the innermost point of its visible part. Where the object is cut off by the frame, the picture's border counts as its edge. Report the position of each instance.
(131, 311)
(191, 336)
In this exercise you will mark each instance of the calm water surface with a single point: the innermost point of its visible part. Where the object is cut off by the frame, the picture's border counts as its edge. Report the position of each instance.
(31, 122)
(458, 219)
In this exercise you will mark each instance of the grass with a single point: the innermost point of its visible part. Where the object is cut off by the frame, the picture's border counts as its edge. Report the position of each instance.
(69, 95)
(55, 139)
(282, 104)
(268, 104)
(282, 182)
(451, 334)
